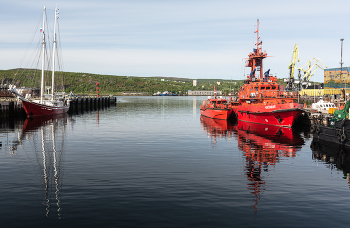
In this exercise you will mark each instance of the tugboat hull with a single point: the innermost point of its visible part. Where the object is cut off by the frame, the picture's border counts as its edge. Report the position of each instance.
(222, 114)
(339, 134)
(282, 115)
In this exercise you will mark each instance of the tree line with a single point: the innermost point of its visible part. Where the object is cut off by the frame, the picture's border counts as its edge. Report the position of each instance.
(85, 83)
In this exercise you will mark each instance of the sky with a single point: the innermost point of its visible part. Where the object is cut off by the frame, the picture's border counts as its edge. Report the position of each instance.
(199, 39)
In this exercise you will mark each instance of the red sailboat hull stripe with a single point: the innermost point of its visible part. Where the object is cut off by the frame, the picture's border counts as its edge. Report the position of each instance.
(36, 109)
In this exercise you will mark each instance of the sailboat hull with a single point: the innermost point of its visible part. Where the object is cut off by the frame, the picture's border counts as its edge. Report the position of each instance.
(36, 109)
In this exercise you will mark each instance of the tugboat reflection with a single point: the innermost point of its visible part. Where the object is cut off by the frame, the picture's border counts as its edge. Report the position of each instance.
(49, 132)
(262, 145)
(217, 128)
(337, 156)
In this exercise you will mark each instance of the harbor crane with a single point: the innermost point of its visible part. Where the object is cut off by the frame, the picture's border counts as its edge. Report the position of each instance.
(308, 72)
(291, 67)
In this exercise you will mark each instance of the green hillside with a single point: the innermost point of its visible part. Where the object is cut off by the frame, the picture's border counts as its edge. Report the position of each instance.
(85, 83)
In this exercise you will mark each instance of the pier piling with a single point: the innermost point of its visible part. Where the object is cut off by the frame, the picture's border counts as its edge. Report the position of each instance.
(11, 107)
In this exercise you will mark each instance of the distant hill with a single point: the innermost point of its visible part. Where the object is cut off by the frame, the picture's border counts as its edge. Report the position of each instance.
(85, 83)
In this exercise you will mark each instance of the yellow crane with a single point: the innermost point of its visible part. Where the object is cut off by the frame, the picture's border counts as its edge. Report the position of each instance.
(291, 67)
(308, 72)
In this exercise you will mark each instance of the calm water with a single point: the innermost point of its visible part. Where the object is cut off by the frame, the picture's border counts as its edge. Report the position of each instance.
(154, 162)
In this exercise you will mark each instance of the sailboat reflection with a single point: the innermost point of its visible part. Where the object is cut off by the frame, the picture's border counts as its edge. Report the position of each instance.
(49, 131)
(262, 145)
(335, 155)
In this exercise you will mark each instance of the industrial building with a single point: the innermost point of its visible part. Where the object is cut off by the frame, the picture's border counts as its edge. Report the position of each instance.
(336, 82)
(336, 77)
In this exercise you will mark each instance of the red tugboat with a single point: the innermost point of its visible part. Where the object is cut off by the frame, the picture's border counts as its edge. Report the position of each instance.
(216, 107)
(261, 99)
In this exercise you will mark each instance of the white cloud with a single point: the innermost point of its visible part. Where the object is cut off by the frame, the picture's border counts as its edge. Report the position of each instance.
(186, 38)
(150, 62)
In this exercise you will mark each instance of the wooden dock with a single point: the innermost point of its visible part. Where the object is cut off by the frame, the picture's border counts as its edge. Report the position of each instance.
(89, 103)
(12, 107)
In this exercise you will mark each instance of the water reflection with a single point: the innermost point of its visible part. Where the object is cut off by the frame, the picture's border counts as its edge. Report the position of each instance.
(262, 145)
(46, 135)
(217, 128)
(336, 156)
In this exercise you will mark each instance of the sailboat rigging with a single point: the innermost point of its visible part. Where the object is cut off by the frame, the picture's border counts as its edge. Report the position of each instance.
(55, 104)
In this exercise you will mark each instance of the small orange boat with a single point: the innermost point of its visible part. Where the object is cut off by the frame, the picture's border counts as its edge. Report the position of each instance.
(261, 99)
(216, 107)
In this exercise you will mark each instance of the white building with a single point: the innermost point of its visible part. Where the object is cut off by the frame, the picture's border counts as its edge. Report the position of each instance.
(195, 82)
(203, 93)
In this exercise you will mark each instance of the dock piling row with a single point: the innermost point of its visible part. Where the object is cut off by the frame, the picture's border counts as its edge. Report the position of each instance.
(14, 108)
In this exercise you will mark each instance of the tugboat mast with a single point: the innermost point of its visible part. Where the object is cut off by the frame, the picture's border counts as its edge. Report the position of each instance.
(256, 57)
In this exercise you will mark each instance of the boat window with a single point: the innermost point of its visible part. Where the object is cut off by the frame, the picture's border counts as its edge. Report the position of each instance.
(273, 87)
(263, 87)
(256, 88)
(219, 102)
(268, 87)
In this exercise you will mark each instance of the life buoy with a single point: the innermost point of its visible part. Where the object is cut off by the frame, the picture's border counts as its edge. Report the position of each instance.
(343, 137)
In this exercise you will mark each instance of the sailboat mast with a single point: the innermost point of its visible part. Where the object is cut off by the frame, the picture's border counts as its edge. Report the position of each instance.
(53, 54)
(43, 59)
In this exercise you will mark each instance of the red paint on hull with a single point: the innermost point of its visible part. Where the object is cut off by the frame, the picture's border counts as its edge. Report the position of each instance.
(36, 109)
(216, 107)
(33, 123)
(222, 114)
(281, 135)
(283, 115)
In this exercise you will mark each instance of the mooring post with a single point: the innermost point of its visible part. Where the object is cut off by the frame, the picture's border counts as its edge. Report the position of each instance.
(11, 108)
